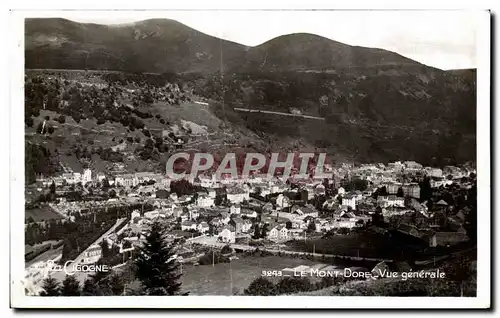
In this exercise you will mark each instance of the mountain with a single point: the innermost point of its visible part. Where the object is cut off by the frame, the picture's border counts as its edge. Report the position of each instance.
(157, 45)
(303, 51)
(162, 45)
(376, 104)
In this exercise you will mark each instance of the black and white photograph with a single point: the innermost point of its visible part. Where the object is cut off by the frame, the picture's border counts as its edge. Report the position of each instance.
(321, 156)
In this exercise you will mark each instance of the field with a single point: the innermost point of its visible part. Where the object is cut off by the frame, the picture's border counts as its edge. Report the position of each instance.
(216, 280)
(43, 213)
(361, 244)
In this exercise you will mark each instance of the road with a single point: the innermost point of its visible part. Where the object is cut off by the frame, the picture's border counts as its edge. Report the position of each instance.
(81, 276)
(277, 113)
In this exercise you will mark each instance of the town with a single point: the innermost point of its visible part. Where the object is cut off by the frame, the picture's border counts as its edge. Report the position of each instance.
(103, 217)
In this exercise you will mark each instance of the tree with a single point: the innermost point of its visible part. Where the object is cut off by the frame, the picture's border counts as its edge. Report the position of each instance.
(70, 286)
(263, 232)
(50, 287)
(53, 188)
(425, 190)
(261, 287)
(291, 285)
(400, 193)
(256, 232)
(28, 121)
(226, 249)
(289, 225)
(89, 288)
(116, 284)
(156, 268)
(106, 251)
(97, 284)
(311, 227)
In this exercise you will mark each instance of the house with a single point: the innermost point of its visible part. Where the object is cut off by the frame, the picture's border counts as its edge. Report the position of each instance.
(216, 222)
(412, 190)
(446, 238)
(193, 214)
(91, 255)
(345, 220)
(203, 227)
(174, 197)
(249, 213)
(278, 233)
(379, 269)
(101, 176)
(235, 209)
(205, 201)
(282, 201)
(227, 234)
(350, 201)
(341, 191)
(185, 198)
(247, 225)
(87, 176)
(390, 201)
(207, 181)
(188, 225)
(393, 187)
(330, 204)
(434, 172)
(126, 180)
(412, 165)
(151, 214)
(304, 211)
(237, 195)
(134, 215)
(224, 217)
(238, 223)
(212, 193)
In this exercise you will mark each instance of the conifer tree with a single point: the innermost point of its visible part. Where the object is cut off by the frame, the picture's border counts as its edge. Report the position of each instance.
(50, 287)
(70, 286)
(156, 267)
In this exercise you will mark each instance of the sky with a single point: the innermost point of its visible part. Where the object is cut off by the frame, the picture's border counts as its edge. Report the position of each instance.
(442, 39)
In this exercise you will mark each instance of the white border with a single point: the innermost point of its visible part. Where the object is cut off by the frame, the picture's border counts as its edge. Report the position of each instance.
(18, 300)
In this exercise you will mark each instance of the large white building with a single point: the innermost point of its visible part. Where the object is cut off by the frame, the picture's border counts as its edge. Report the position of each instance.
(237, 195)
(87, 176)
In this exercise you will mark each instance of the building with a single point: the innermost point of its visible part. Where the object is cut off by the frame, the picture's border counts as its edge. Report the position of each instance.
(205, 201)
(92, 254)
(304, 211)
(126, 180)
(249, 213)
(412, 165)
(87, 176)
(238, 223)
(101, 176)
(393, 187)
(390, 201)
(447, 238)
(247, 225)
(227, 234)
(350, 201)
(237, 195)
(412, 190)
(203, 227)
(434, 172)
(188, 225)
(278, 233)
(235, 209)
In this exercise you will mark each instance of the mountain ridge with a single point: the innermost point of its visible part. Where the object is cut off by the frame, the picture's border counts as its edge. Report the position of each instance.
(173, 46)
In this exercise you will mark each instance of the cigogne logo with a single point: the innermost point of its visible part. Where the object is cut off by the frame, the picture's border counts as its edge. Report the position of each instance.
(71, 268)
